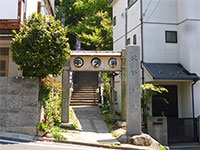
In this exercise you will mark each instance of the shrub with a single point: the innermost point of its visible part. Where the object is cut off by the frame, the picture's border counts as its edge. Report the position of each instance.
(42, 127)
(40, 48)
(50, 96)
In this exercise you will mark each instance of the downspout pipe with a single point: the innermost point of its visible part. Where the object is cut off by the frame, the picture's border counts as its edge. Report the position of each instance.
(193, 111)
(142, 39)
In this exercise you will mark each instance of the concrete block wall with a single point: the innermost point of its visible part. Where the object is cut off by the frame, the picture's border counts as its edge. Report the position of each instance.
(19, 106)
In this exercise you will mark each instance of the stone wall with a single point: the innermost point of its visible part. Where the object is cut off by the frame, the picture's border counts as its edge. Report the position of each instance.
(19, 106)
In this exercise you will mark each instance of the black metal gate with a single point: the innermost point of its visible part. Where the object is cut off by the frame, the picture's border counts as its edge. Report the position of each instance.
(182, 130)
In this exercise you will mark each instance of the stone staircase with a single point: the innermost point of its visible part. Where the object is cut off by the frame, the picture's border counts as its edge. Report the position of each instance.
(84, 89)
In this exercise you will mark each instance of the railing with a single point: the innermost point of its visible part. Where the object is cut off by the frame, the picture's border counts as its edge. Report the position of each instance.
(182, 130)
(9, 24)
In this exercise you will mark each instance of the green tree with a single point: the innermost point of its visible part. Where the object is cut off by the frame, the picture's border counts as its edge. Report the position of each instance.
(90, 20)
(40, 48)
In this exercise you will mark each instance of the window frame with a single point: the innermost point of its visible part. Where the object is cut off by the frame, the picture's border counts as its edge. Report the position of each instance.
(170, 41)
(134, 39)
(131, 4)
(128, 41)
(114, 21)
(6, 59)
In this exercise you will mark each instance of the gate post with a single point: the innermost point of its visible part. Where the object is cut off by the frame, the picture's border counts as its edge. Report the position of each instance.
(65, 93)
(133, 91)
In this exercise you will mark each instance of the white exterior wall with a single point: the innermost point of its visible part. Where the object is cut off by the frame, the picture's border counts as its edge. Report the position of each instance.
(119, 34)
(185, 105)
(133, 23)
(118, 29)
(31, 7)
(155, 48)
(159, 16)
(164, 11)
(52, 4)
(9, 9)
(189, 34)
(182, 16)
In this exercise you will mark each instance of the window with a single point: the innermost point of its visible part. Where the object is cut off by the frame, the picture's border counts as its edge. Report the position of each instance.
(4, 53)
(134, 39)
(171, 36)
(131, 2)
(114, 20)
(128, 41)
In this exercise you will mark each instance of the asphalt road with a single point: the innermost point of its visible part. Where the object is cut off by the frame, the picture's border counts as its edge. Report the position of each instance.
(6, 144)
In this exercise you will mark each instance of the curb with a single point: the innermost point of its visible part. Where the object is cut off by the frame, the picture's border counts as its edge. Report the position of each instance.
(91, 144)
(31, 138)
(17, 136)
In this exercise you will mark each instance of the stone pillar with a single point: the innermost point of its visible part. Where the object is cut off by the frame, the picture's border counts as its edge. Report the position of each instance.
(123, 84)
(65, 93)
(133, 91)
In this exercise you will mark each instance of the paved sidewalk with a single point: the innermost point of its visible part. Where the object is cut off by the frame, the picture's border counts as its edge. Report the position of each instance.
(93, 127)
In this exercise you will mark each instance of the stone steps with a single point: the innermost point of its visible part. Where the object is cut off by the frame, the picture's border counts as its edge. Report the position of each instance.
(83, 95)
(84, 89)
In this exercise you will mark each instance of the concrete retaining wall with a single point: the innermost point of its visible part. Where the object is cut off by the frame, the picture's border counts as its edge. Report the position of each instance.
(157, 128)
(19, 106)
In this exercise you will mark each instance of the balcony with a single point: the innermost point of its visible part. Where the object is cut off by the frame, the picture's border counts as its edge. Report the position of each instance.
(11, 14)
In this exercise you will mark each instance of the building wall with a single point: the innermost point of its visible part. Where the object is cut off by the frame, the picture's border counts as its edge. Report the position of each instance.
(9, 9)
(185, 106)
(155, 48)
(31, 7)
(11, 13)
(189, 45)
(182, 16)
(159, 11)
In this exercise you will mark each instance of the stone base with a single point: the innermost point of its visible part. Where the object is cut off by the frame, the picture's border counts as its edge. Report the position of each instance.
(67, 125)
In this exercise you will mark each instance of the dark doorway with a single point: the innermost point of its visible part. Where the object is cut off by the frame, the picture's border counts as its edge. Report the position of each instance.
(180, 130)
(169, 109)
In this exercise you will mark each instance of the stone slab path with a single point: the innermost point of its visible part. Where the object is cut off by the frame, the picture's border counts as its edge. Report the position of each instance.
(93, 127)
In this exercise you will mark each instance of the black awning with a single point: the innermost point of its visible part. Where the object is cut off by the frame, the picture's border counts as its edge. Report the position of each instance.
(168, 71)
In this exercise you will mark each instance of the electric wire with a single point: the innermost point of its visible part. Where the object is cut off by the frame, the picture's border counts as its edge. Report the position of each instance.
(147, 7)
(153, 10)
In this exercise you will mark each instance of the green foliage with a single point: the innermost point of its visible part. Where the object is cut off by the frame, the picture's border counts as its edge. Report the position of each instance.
(58, 136)
(44, 93)
(42, 127)
(162, 147)
(40, 48)
(55, 133)
(90, 20)
(106, 87)
(151, 90)
(51, 98)
(73, 118)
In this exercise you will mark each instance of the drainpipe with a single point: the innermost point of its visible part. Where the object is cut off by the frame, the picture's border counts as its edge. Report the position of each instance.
(126, 26)
(142, 40)
(193, 113)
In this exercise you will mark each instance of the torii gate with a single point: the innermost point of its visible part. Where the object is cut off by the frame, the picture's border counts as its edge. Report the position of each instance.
(127, 61)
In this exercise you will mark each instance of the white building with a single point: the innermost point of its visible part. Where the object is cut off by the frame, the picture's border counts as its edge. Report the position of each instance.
(168, 32)
(12, 15)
